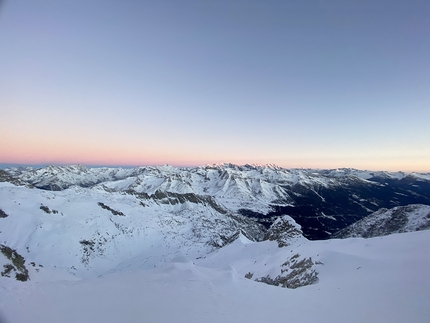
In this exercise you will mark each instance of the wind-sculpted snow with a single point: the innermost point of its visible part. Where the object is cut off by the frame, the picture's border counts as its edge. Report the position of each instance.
(383, 222)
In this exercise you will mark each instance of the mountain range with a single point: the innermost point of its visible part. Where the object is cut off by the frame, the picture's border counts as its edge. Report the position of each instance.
(321, 201)
(90, 221)
(88, 238)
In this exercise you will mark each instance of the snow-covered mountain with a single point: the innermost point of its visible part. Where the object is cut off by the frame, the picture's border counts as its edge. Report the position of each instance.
(90, 221)
(409, 218)
(112, 244)
(321, 201)
(92, 231)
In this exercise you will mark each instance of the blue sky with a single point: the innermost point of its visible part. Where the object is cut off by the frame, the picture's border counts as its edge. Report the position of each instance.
(319, 84)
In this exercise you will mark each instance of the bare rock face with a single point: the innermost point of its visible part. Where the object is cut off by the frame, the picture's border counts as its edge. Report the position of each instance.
(6, 177)
(15, 264)
(296, 272)
(3, 214)
(285, 231)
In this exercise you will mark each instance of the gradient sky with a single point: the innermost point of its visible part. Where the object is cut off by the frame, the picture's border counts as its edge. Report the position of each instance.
(320, 84)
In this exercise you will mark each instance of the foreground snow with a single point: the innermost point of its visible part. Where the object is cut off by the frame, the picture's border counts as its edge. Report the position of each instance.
(361, 280)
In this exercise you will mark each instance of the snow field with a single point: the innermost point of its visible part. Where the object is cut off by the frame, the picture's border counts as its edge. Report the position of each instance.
(361, 280)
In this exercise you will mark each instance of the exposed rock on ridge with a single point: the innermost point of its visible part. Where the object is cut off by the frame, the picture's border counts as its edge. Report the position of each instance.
(285, 231)
(384, 222)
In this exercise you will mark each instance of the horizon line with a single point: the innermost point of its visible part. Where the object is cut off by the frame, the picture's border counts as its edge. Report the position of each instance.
(43, 165)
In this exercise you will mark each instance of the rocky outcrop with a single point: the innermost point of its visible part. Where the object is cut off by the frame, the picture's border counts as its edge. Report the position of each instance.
(407, 218)
(3, 214)
(295, 272)
(15, 264)
(285, 231)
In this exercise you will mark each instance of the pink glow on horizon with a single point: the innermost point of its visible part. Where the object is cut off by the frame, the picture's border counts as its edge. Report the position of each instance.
(109, 151)
(141, 86)
(90, 157)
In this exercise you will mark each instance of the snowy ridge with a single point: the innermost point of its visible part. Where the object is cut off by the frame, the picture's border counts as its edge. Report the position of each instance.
(193, 176)
(383, 222)
(252, 187)
(227, 182)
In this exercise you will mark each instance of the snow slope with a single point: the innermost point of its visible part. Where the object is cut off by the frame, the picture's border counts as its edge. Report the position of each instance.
(88, 232)
(361, 280)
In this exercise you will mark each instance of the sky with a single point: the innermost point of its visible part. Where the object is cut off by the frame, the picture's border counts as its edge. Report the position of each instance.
(312, 84)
